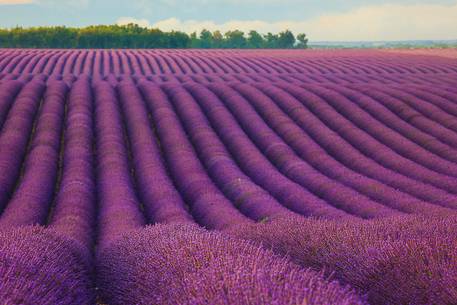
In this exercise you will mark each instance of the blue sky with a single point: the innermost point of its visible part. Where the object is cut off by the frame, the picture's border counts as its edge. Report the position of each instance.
(321, 20)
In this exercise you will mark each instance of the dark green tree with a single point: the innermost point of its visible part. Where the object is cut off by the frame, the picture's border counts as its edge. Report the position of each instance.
(178, 40)
(271, 41)
(194, 41)
(135, 36)
(235, 39)
(218, 40)
(302, 41)
(255, 40)
(206, 39)
(286, 40)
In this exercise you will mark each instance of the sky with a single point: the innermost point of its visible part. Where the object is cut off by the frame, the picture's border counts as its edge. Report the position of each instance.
(321, 20)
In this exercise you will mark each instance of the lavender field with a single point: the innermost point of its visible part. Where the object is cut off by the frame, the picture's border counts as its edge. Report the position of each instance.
(228, 177)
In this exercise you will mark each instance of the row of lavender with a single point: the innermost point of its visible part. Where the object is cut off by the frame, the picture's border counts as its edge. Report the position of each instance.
(306, 139)
(185, 263)
(225, 156)
(440, 82)
(155, 62)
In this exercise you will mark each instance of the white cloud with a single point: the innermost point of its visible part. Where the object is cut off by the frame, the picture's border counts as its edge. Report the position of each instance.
(127, 20)
(388, 22)
(376, 22)
(15, 2)
(196, 25)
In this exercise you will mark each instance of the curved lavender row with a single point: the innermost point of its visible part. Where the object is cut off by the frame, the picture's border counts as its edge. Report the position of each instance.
(128, 66)
(254, 163)
(215, 64)
(151, 63)
(28, 77)
(70, 65)
(88, 64)
(194, 66)
(69, 79)
(390, 118)
(142, 62)
(6, 57)
(40, 267)
(158, 62)
(445, 92)
(418, 79)
(180, 65)
(102, 65)
(51, 63)
(161, 200)
(426, 108)
(33, 196)
(342, 151)
(15, 136)
(315, 155)
(119, 209)
(43, 64)
(248, 197)
(202, 65)
(367, 138)
(367, 145)
(114, 63)
(39, 66)
(384, 134)
(57, 68)
(445, 96)
(112, 80)
(400, 260)
(166, 65)
(439, 80)
(28, 68)
(12, 62)
(125, 64)
(19, 66)
(186, 61)
(276, 68)
(208, 205)
(450, 88)
(97, 72)
(170, 264)
(291, 165)
(10, 77)
(444, 107)
(8, 92)
(38, 78)
(412, 116)
(74, 212)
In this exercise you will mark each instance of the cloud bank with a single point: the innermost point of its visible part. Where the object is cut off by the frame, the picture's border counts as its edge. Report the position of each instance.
(15, 2)
(375, 22)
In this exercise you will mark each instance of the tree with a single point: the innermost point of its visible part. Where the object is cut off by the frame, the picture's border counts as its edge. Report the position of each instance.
(135, 36)
(286, 40)
(178, 40)
(218, 40)
(255, 40)
(235, 39)
(194, 41)
(271, 41)
(302, 41)
(206, 39)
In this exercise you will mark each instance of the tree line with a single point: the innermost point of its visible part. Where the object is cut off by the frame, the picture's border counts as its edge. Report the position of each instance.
(134, 36)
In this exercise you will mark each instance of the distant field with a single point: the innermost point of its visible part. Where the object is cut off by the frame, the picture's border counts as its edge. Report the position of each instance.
(228, 177)
(448, 53)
